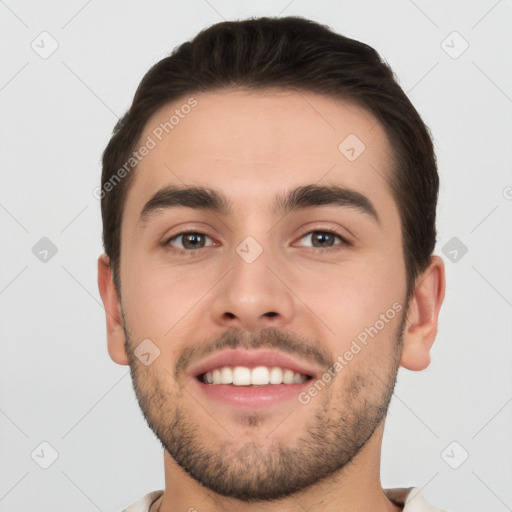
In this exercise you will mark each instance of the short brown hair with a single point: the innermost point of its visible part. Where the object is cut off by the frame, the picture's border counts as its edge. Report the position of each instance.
(297, 54)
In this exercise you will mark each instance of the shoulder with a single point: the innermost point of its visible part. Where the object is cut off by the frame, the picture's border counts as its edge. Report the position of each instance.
(411, 500)
(144, 503)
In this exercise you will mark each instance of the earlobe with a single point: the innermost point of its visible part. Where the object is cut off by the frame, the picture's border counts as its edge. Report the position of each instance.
(422, 320)
(111, 303)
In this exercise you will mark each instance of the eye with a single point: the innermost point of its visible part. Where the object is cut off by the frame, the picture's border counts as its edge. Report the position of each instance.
(323, 239)
(188, 241)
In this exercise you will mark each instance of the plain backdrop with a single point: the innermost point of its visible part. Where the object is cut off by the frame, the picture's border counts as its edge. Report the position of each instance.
(66, 405)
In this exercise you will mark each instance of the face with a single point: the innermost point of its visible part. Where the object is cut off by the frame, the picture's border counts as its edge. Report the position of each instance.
(259, 245)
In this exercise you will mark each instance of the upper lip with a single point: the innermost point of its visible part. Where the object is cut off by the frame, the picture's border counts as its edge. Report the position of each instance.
(251, 359)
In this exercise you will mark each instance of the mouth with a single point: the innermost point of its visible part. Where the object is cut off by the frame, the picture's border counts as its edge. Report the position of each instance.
(251, 378)
(258, 376)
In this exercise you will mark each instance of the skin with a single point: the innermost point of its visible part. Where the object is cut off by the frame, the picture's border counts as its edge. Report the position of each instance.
(252, 145)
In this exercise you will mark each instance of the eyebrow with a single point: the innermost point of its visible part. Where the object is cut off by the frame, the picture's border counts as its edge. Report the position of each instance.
(206, 198)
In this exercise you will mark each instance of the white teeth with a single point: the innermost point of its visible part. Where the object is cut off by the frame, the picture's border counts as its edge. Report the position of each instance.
(288, 377)
(297, 378)
(276, 376)
(258, 376)
(226, 375)
(241, 376)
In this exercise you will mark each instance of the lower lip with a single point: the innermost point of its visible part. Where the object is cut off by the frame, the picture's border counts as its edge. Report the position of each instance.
(251, 396)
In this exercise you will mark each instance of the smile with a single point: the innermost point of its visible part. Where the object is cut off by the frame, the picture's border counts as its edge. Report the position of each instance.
(258, 376)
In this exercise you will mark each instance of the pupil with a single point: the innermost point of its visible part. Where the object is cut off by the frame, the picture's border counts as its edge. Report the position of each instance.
(192, 241)
(321, 237)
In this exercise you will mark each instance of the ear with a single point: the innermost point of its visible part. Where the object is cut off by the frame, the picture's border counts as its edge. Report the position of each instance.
(421, 325)
(115, 331)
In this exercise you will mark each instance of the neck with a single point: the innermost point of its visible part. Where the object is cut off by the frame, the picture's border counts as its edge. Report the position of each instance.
(355, 488)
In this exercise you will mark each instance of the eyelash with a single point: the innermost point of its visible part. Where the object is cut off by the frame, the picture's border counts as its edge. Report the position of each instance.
(192, 252)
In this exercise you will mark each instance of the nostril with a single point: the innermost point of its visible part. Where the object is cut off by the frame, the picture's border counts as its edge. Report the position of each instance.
(271, 314)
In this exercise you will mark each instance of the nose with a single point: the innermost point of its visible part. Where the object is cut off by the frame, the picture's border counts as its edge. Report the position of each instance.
(254, 294)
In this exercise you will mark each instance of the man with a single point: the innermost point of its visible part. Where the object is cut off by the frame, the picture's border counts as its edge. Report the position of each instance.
(268, 208)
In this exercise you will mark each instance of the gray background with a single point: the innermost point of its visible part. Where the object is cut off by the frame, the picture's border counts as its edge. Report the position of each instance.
(58, 384)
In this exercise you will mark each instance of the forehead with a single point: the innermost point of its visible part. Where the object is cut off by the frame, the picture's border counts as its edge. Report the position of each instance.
(255, 144)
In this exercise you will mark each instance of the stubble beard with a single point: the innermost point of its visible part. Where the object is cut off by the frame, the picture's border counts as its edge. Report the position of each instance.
(343, 423)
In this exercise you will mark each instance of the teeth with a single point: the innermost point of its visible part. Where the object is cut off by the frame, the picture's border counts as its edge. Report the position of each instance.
(297, 378)
(276, 376)
(226, 375)
(241, 376)
(288, 377)
(259, 376)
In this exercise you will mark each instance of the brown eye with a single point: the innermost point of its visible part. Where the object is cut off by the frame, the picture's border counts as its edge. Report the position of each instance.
(320, 239)
(189, 241)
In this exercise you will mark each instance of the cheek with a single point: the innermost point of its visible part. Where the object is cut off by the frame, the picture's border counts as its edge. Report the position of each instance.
(348, 298)
(158, 299)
